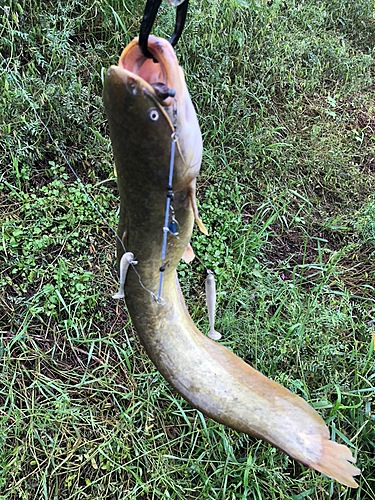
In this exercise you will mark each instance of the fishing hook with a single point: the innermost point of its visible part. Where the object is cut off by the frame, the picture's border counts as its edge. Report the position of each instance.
(151, 9)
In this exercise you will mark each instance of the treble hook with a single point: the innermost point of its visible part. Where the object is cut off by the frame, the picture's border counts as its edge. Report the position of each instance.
(151, 9)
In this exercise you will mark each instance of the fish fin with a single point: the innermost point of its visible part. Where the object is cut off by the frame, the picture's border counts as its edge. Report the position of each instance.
(195, 212)
(201, 226)
(188, 254)
(124, 234)
(335, 463)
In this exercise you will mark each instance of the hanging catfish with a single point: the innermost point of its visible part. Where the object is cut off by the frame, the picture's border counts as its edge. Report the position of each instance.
(142, 115)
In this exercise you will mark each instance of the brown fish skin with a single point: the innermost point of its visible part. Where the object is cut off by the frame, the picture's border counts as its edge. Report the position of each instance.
(209, 376)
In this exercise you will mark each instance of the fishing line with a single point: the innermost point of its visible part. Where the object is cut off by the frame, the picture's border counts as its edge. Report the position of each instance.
(184, 245)
(173, 226)
(166, 228)
(65, 158)
(74, 173)
(144, 288)
(170, 195)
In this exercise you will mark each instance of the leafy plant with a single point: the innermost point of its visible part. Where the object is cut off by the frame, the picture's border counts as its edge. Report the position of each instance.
(285, 101)
(365, 222)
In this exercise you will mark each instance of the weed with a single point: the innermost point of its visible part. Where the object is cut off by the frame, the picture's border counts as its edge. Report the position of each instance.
(284, 93)
(365, 222)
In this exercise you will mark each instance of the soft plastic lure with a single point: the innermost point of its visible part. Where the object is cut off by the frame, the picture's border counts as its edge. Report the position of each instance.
(211, 305)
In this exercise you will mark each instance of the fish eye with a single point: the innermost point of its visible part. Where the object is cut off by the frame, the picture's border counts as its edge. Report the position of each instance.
(153, 115)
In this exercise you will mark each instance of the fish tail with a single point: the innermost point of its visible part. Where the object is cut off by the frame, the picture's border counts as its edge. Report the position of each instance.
(334, 462)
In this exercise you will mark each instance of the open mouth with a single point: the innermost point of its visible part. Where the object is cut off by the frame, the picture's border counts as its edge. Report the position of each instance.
(161, 75)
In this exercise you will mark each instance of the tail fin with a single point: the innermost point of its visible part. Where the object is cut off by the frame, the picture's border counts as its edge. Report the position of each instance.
(335, 463)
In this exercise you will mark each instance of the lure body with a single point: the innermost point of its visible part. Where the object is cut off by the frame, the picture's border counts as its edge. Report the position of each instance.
(209, 376)
(126, 259)
(211, 305)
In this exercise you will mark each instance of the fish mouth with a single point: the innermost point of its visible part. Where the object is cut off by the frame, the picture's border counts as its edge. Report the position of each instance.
(153, 74)
(131, 93)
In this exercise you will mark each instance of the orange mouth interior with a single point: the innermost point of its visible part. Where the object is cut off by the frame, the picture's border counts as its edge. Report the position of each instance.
(152, 72)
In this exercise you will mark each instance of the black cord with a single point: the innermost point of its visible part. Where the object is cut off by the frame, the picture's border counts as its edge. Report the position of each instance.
(149, 15)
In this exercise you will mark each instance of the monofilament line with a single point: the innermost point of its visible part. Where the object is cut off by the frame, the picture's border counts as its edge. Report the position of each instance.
(74, 173)
(174, 138)
(64, 157)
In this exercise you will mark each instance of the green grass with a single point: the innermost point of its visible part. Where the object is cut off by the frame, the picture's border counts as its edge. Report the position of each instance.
(285, 99)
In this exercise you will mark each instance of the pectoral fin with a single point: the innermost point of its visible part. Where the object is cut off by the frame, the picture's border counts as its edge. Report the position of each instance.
(195, 209)
(188, 254)
(200, 224)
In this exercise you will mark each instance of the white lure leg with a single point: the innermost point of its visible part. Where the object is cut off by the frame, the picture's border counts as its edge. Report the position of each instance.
(211, 304)
(126, 260)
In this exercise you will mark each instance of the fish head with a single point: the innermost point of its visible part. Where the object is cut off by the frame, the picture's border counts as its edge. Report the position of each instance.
(143, 116)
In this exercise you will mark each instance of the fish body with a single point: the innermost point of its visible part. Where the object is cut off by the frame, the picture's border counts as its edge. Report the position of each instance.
(209, 376)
